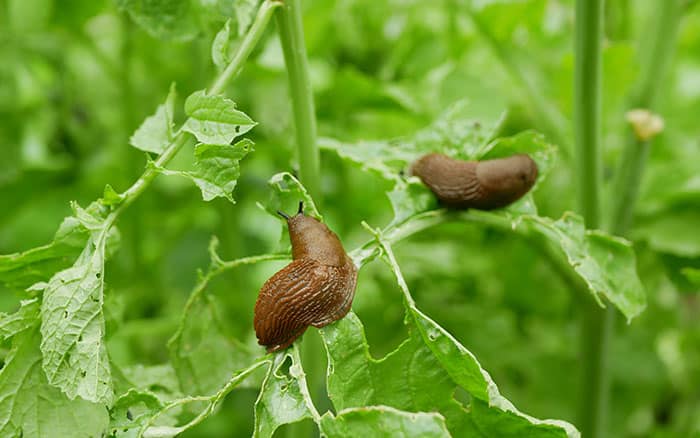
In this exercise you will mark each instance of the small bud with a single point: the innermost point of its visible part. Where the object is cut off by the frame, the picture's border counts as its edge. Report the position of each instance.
(646, 125)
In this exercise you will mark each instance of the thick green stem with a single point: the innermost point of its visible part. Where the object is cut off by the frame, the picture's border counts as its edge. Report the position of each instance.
(292, 40)
(596, 324)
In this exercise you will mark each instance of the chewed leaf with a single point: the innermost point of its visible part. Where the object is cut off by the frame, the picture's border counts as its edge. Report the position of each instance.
(215, 119)
(72, 321)
(284, 397)
(409, 198)
(29, 406)
(24, 318)
(607, 264)
(287, 192)
(20, 270)
(132, 409)
(366, 421)
(217, 168)
(529, 142)
(492, 413)
(156, 132)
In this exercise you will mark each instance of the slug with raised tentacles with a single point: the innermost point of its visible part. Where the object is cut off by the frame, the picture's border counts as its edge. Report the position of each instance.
(315, 289)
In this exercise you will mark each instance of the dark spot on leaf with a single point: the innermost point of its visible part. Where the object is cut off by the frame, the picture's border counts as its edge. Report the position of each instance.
(83, 373)
(237, 129)
(80, 338)
(65, 314)
(98, 274)
(128, 415)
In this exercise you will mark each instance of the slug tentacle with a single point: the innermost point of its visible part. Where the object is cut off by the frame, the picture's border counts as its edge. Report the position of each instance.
(483, 185)
(315, 289)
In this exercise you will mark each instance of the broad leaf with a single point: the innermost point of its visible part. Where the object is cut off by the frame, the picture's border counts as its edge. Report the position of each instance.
(284, 397)
(606, 263)
(22, 319)
(368, 421)
(30, 407)
(287, 192)
(73, 326)
(156, 132)
(493, 414)
(151, 424)
(20, 270)
(215, 119)
(217, 168)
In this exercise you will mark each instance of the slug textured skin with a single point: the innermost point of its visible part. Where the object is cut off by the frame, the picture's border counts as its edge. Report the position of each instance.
(483, 185)
(315, 289)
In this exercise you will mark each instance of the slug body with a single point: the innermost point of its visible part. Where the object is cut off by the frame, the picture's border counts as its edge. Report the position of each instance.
(315, 289)
(483, 185)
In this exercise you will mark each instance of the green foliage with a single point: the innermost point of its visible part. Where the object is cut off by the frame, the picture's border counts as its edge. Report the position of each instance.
(146, 330)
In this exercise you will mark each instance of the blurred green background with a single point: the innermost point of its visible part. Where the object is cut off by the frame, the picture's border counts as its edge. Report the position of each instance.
(78, 77)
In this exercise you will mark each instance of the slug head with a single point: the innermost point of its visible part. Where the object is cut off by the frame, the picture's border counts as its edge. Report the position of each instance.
(312, 239)
(507, 179)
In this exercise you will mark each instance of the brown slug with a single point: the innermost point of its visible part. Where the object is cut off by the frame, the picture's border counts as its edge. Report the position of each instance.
(315, 289)
(483, 185)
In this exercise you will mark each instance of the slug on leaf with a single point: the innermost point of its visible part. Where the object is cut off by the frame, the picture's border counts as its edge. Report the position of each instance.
(483, 185)
(315, 289)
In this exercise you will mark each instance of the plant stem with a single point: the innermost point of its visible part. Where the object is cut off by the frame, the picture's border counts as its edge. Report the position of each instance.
(291, 32)
(625, 187)
(596, 324)
(249, 42)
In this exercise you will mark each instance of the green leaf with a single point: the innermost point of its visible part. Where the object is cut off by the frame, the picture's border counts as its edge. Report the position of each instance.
(217, 168)
(149, 428)
(409, 198)
(287, 192)
(215, 119)
(156, 132)
(284, 397)
(372, 420)
(492, 413)
(409, 378)
(20, 270)
(674, 231)
(73, 325)
(23, 319)
(132, 409)
(529, 142)
(30, 407)
(166, 19)
(202, 355)
(220, 48)
(110, 197)
(607, 264)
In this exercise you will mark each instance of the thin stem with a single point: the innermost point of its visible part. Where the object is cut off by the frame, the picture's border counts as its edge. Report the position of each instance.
(249, 42)
(632, 162)
(596, 323)
(291, 32)
(251, 39)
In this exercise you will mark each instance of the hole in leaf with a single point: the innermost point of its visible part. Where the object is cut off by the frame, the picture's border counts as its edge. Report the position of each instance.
(65, 314)
(98, 274)
(83, 373)
(128, 415)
